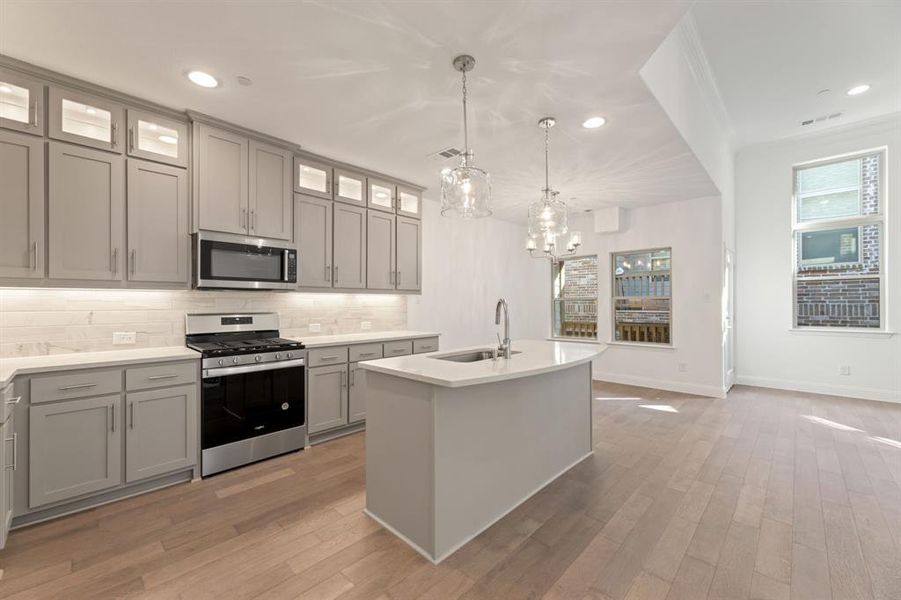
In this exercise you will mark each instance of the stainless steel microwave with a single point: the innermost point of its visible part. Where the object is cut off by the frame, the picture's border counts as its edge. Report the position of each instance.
(224, 260)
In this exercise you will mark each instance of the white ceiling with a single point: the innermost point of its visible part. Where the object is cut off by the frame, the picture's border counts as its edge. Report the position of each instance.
(770, 60)
(371, 83)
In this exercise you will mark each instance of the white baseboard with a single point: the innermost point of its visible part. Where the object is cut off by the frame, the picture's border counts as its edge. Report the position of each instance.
(683, 387)
(814, 387)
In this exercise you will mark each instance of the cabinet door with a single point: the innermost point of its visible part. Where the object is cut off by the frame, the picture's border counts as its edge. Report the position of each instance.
(87, 197)
(380, 195)
(350, 246)
(157, 138)
(312, 177)
(9, 462)
(313, 235)
(22, 205)
(161, 435)
(350, 187)
(221, 168)
(21, 101)
(409, 202)
(379, 251)
(271, 199)
(85, 119)
(74, 448)
(157, 222)
(356, 400)
(409, 253)
(327, 397)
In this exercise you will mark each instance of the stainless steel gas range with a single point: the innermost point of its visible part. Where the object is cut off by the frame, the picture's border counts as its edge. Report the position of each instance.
(252, 395)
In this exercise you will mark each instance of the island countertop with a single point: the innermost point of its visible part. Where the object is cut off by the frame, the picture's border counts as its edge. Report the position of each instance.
(533, 357)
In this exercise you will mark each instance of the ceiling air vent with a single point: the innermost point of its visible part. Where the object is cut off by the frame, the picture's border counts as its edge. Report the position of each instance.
(821, 118)
(446, 153)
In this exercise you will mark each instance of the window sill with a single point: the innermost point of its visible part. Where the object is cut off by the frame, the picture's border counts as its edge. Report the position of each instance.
(574, 340)
(652, 346)
(827, 331)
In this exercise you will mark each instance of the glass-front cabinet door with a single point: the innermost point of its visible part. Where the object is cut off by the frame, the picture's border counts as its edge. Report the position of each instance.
(157, 138)
(350, 187)
(312, 177)
(21, 101)
(380, 195)
(409, 202)
(86, 119)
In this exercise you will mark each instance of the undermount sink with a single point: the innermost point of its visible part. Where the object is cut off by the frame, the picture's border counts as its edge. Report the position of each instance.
(470, 356)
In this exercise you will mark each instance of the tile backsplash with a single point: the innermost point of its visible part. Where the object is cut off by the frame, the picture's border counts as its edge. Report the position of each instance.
(54, 321)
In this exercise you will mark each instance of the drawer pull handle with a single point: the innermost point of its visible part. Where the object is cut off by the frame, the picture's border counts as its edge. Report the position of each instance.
(367, 353)
(155, 377)
(15, 400)
(79, 386)
(332, 357)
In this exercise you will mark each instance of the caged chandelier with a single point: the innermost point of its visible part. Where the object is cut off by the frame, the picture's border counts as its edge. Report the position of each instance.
(465, 190)
(547, 217)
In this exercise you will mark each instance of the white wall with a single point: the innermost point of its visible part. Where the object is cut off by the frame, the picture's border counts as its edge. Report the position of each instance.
(692, 229)
(769, 353)
(467, 266)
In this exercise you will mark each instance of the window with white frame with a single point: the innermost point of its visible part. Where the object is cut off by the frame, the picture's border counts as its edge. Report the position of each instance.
(574, 289)
(642, 296)
(838, 227)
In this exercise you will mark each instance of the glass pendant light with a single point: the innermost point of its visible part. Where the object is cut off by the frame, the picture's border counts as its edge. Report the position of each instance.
(465, 190)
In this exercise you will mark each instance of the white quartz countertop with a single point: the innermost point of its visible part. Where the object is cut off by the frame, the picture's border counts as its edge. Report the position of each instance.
(10, 367)
(320, 341)
(535, 357)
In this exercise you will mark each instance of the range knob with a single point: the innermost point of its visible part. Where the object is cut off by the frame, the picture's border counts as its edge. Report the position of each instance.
(278, 356)
(258, 358)
(221, 361)
(290, 355)
(235, 360)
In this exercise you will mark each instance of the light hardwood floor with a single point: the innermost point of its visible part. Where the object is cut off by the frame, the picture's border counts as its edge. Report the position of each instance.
(767, 495)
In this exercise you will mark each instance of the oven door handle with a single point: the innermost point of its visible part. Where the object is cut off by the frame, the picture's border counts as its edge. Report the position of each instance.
(223, 371)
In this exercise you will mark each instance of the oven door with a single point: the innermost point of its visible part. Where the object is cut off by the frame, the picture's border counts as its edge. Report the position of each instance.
(228, 261)
(243, 402)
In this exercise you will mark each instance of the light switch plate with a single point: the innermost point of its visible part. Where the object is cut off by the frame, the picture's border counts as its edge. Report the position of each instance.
(122, 338)
(315, 327)
(364, 325)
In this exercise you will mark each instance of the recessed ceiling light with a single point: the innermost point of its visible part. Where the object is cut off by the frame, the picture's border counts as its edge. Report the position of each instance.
(90, 110)
(594, 122)
(5, 89)
(203, 79)
(153, 127)
(858, 89)
(168, 139)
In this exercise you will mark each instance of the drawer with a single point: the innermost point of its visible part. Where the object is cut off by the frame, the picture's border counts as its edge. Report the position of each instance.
(399, 348)
(161, 375)
(318, 357)
(75, 384)
(365, 352)
(425, 345)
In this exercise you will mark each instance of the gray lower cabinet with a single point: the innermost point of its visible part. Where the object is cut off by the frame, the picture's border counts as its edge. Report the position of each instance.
(161, 431)
(349, 246)
(86, 205)
(221, 171)
(22, 205)
(75, 448)
(8, 464)
(313, 236)
(157, 222)
(380, 245)
(356, 399)
(409, 254)
(271, 198)
(327, 397)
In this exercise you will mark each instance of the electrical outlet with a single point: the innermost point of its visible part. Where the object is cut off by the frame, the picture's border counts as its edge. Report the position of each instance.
(121, 338)
(315, 327)
(844, 370)
(683, 367)
(365, 325)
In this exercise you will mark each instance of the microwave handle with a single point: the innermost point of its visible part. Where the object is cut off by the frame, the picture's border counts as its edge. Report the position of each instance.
(285, 256)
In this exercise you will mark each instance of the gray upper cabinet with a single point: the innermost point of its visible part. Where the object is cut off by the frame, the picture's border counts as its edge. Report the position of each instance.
(271, 199)
(327, 397)
(409, 202)
(75, 448)
(409, 254)
(161, 431)
(312, 177)
(21, 102)
(380, 268)
(350, 246)
(157, 138)
(313, 236)
(350, 187)
(157, 222)
(380, 194)
(22, 205)
(221, 171)
(86, 204)
(86, 119)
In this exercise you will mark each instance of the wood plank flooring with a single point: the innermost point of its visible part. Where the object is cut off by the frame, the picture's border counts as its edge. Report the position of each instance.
(764, 495)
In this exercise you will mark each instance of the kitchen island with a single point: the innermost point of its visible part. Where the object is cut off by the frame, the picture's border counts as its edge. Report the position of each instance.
(457, 439)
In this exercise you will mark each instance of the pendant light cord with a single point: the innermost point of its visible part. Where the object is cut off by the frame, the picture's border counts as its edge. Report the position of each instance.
(465, 121)
(547, 141)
